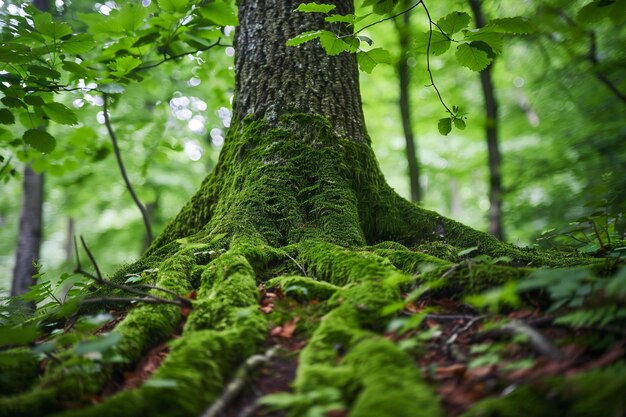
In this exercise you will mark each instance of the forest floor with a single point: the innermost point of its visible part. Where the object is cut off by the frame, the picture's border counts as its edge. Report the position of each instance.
(462, 352)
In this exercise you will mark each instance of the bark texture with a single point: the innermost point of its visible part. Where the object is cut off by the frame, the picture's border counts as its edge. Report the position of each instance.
(404, 77)
(29, 237)
(273, 78)
(491, 132)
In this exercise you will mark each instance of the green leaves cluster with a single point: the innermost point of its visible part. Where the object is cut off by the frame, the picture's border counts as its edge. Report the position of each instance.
(336, 42)
(42, 57)
(477, 48)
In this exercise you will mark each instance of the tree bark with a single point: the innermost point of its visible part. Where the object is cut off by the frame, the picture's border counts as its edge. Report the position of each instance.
(404, 76)
(29, 239)
(273, 78)
(491, 132)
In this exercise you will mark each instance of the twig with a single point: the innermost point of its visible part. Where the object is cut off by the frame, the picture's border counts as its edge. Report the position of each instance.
(238, 382)
(536, 341)
(391, 17)
(181, 301)
(148, 300)
(120, 163)
(430, 73)
(297, 264)
(169, 58)
(465, 328)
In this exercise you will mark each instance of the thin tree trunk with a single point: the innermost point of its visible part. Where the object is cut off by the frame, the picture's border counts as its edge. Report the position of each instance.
(29, 235)
(29, 239)
(491, 130)
(405, 107)
(69, 240)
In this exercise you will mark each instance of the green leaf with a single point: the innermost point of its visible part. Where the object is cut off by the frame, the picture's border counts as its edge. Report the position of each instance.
(438, 43)
(45, 26)
(18, 335)
(467, 251)
(100, 344)
(367, 40)
(445, 126)
(34, 100)
(333, 18)
(161, 383)
(381, 6)
(43, 141)
(493, 39)
(131, 16)
(125, 64)
(315, 7)
(78, 44)
(304, 37)
(618, 12)
(75, 68)
(60, 113)
(174, 5)
(369, 59)
(483, 46)
(44, 72)
(454, 22)
(471, 57)
(332, 44)
(514, 25)
(112, 88)
(13, 102)
(6, 117)
(220, 13)
(459, 123)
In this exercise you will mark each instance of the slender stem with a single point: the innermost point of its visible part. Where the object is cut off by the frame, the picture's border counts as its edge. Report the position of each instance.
(391, 17)
(430, 73)
(128, 300)
(102, 281)
(169, 58)
(120, 163)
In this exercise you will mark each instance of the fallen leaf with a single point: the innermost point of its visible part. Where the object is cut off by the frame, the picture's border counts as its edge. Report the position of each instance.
(457, 369)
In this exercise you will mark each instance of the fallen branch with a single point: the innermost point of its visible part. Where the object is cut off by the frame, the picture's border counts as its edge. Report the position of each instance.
(238, 382)
(536, 341)
(98, 278)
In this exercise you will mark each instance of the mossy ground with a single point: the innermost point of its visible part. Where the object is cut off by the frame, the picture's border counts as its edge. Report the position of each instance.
(299, 208)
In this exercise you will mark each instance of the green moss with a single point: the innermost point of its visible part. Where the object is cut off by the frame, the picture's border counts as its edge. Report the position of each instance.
(410, 262)
(18, 370)
(37, 402)
(224, 329)
(391, 384)
(313, 289)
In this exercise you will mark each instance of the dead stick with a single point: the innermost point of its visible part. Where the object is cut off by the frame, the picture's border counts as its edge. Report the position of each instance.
(238, 382)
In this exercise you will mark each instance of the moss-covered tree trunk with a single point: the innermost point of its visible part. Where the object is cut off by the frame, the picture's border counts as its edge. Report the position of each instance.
(296, 198)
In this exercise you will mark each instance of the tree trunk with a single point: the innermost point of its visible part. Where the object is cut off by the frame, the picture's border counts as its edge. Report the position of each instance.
(29, 238)
(29, 235)
(491, 131)
(404, 102)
